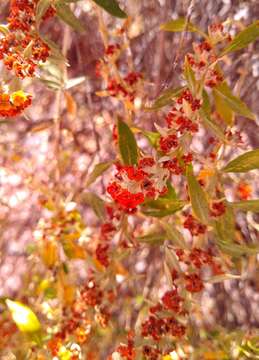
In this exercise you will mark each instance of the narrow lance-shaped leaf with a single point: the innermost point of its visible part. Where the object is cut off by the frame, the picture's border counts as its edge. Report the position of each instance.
(127, 144)
(225, 225)
(189, 76)
(96, 203)
(223, 109)
(112, 7)
(98, 170)
(65, 14)
(166, 98)
(211, 125)
(162, 207)
(198, 197)
(243, 163)
(237, 105)
(23, 316)
(179, 25)
(242, 39)
(246, 205)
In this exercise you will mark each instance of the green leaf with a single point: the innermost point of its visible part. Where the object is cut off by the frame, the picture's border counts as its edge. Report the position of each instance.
(65, 14)
(237, 105)
(219, 278)
(189, 76)
(41, 9)
(166, 98)
(179, 25)
(152, 137)
(171, 194)
(206, 103)
(162, 207)
(98, 170)
(23, 316)
(127, 144)
(171, 259)
(223, 109)
(174, 235)
(237, 250)
(246, 205)
(96, 203)
(112, 7)
(211, 125)
(243, 163)
(225, 226)
(198, 197)
(152, 238)
(242, 39)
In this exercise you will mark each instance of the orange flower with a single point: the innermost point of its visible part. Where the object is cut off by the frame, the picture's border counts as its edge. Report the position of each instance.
(13, 104)
(244, 190)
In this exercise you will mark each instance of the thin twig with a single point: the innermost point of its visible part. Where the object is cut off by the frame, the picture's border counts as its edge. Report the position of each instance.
(167, 81)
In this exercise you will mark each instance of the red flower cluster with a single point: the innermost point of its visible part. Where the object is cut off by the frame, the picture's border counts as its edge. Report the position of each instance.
(194, 226)
(78, 324)
(167, 143)
(135, 183)
(125, 198)
(218, 208)
(13, 104)
(112, 49)
(204, 56)
(22, 49)
(124, 89)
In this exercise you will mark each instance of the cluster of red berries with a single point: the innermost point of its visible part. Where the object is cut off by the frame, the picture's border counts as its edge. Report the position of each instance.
(125, 88)
(177, 165)
(136, 183)
(78, 318)
(194, 226)
(200, 60)
(22, 49)
(112, 49)
(108, 229)
(14, 104)
(218, 208)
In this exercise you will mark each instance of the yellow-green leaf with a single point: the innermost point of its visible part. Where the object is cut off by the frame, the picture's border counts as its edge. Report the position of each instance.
(179, 25)
(198, 197)
(225, 225)
(127, 144)
(65, 14)
(223, 109)
(112, 7)
(189, 76)
(211, 125)
(98, 170)
(23, 316)
(243, 163)
(242, 39)
(166, 98)
(162, 207)
(246, 205)
(234, 103)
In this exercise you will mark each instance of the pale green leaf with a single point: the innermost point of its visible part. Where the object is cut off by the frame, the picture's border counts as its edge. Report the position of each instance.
(242, 39)
(243, 163)
(98, 170)
(127, 144)
(198, 197)
(234, 103)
